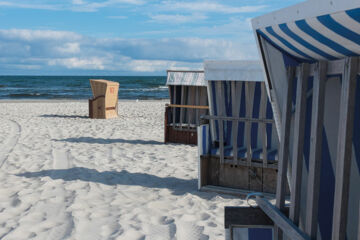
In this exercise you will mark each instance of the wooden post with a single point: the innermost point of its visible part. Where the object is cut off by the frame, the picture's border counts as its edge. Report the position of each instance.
(298, 147)
(235, 111)
(220, 105)
(182, 103)
(284, 147)
(317, 123)
(344, 148)
(249, 106)
(262, 126)
(174, 109)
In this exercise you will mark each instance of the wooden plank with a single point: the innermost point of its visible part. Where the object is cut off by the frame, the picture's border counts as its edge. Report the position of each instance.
(221, 141)
(239, 119)
(174, 109)
(298, 142)
(235, 124)
(263, 103)
(344, 148)
(245, 216)
(288, 227)
(197, 102)
(284, 146)
(182, 102)
(249, 107)
(187, 106)
(317, 125)
(221, 112)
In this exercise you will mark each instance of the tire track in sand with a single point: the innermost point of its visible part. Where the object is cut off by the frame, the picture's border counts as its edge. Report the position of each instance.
(12, 139)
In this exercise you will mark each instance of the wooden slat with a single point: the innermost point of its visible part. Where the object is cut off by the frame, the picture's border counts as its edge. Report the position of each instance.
(284, 146)
(262, 126)
(221, 112)
(249, 106)
(344, 148)
(298, 142)
(174, 110)
(235, 124)
(182, 101)
(239, 119)
(187, 106)
(197, 102)
(317, 125)
(288, 227)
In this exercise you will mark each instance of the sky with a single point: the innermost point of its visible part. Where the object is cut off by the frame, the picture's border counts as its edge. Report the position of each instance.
(125, 37)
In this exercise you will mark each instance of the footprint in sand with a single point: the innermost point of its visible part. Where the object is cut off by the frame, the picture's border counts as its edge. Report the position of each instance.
(10, 142)
(189, 230)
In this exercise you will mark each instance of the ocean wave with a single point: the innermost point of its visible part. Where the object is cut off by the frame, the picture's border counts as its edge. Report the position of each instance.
(160, 88)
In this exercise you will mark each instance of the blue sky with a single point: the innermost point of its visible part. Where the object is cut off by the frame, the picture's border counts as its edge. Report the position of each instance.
(125, 37)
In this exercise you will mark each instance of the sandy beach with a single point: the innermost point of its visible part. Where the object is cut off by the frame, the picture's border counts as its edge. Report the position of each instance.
(65, 176)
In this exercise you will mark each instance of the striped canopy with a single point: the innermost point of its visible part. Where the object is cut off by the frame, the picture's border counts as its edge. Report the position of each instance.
(326, 37)
(185, 78)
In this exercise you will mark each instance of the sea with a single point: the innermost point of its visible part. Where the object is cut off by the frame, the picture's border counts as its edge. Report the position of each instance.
(78, 87)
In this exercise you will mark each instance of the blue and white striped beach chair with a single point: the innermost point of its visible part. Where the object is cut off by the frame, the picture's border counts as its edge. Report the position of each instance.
(311, 54)
(188, 100)
(238, 147)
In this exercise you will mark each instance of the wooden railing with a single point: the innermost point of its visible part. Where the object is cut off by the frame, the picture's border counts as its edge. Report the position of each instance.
(249, 161)
(182, 124)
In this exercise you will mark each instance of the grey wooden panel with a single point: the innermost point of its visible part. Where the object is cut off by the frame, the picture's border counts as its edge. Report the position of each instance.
(289, 229)
(197, 102)
(298, 142)
(284, 146)
(317, 125)
(344, 148)
(262, 126)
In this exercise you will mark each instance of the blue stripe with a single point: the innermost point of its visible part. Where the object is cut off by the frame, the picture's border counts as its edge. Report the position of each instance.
(327, 191)
(242, 113)
(263, 35)
(330, 23)
(213, 89)
(260, 233)
(228, 124)
(269, 126)
(286, 43)
(290, 33)
(304, 26)
(204, 144)
(354, 14)
(356, 136)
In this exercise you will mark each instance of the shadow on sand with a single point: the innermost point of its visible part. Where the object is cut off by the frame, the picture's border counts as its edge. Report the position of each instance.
(107, 141)
(62, 116)
(178, 186)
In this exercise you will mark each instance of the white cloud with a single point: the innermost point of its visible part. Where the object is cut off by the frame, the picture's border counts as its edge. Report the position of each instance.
(74, 5)
(205, 6)
(44, 50)
(177, 18)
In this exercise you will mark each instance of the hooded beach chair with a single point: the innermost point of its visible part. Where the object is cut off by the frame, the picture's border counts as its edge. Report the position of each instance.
(188, 101)
(310, 53)
(238, 148)
(104, 103)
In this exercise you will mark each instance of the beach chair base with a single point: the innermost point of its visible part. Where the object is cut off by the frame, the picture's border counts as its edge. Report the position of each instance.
(235, 179)
(173, 135)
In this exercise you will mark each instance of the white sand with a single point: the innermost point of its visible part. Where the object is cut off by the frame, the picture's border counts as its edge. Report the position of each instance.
(64, 176)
